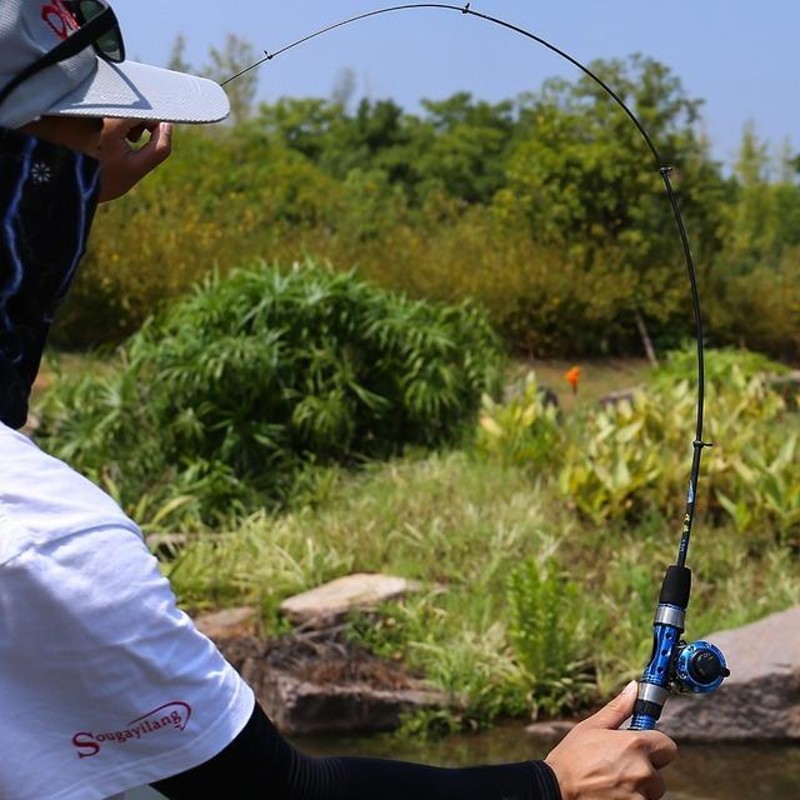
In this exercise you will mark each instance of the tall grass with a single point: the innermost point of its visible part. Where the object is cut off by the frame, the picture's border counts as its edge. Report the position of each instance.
(525, 608)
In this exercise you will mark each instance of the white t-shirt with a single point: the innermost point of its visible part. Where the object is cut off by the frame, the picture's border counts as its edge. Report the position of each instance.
(105, 684)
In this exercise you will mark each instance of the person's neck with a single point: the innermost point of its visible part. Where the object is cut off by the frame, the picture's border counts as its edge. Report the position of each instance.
(82, 134)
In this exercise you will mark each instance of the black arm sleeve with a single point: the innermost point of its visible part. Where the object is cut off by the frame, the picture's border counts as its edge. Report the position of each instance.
(260, 763)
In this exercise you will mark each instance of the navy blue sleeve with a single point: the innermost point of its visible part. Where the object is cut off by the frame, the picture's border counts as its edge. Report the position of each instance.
(260, 763)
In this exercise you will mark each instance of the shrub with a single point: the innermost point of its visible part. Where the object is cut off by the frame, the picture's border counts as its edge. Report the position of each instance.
(759, 308)
(621, 462)
(522, 431)
(252, 377)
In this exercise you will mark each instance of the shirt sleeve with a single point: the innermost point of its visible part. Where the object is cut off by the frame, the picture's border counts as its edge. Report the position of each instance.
(261, 763)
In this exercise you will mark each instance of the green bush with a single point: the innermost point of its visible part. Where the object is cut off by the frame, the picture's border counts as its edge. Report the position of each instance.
(236, 389)
(550, 631)
(624, 461)
(522, 431)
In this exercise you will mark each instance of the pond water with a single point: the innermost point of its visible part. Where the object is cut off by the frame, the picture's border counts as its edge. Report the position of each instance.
(700, 773)
(730, 772)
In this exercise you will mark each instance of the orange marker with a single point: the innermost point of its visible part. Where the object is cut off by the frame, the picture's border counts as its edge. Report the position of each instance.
(573, 377)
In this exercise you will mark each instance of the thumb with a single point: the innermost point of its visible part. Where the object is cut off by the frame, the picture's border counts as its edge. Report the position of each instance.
(616, 711)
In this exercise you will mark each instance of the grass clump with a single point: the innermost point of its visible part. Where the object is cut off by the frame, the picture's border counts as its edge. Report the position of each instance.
(228, 397)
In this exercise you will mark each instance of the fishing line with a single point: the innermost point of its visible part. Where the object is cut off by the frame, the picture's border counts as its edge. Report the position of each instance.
(672, 661)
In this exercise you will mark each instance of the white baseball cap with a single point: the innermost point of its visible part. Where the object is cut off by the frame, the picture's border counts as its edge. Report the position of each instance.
(95, 81)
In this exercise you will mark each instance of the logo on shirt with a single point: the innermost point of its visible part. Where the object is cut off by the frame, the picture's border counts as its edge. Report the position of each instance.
(171, 716)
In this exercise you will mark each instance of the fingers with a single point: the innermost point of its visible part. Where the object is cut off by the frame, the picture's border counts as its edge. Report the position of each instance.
(615, 712)
(598, 762)
(123, 163)
(653, 787)
(657, 751)
(160, 142)
(661, 748)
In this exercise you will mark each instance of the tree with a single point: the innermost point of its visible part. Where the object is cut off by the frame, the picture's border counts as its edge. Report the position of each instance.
(463, 145)
(583, 180)
(236, 55)
(303, 124)
(764, 218)
(344, 88)
(177, 60)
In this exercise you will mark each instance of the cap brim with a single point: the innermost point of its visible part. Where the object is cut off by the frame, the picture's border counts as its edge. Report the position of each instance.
(138, 91)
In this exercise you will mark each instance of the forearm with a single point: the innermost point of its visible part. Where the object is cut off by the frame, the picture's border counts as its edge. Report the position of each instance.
(261, 764)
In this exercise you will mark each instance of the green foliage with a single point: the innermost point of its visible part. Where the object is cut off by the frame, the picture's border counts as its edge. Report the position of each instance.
(547, 208)
(228, 197)
(614, 463)
(235, 389)
(583, 181)
(624, 459)
(722, 366)
(754, 297)
(233, 59)
(527, 605)
(767, 296)
(523, 431)
(550, 630)
(474, 668)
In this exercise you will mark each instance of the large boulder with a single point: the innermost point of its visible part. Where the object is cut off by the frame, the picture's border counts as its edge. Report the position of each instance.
(315, 679)
(760, 701)
(319, 682)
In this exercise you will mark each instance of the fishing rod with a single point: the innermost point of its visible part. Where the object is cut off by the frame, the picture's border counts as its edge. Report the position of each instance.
(674, 665)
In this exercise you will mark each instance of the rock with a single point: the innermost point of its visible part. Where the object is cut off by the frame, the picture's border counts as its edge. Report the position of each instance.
(299, 707)
(318, 682)
(228, 624)
(550, 731)
(328, 603)
(314, 679)
(787, 385)
(613, 399)
(760, 701)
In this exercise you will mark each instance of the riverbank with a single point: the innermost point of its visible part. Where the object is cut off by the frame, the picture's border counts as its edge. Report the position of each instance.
(539, 544)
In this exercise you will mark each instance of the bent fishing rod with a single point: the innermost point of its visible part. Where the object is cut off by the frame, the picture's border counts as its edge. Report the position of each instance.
(674, 665)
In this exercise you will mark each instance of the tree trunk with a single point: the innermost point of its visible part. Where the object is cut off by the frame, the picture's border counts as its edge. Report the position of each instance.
(646, 340)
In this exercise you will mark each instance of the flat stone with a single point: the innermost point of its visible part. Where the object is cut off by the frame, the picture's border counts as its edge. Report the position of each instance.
(613, 399)
(331, 601)
(228, 624)
(760, 701)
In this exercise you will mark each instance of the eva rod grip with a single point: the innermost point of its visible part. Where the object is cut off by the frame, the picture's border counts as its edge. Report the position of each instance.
(676, 587)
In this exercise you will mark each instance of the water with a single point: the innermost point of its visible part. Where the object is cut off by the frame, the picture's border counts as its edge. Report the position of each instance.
(730, 772)
(719, 772)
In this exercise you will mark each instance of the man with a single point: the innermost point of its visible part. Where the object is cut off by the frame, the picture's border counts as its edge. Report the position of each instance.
(106, 684)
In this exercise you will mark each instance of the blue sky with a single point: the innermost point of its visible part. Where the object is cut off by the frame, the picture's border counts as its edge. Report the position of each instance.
(740, 57)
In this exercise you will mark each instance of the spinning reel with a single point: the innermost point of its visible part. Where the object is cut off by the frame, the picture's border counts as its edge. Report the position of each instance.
(675, 666)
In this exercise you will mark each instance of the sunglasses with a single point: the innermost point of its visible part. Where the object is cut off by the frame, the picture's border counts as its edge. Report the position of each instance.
(98, 28)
